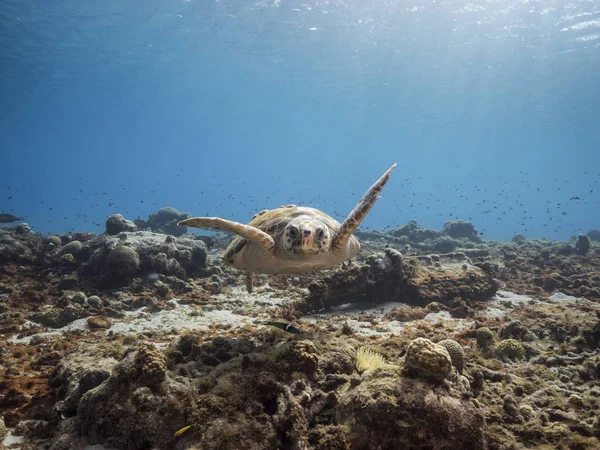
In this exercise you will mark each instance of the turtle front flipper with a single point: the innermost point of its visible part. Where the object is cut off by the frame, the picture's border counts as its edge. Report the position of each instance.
(360, 211)
(246, 231)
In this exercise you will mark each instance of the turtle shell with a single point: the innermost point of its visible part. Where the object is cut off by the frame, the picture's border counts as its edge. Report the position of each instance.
(273, 221)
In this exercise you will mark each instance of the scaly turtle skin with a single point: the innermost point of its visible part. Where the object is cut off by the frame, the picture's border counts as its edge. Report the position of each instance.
(292, 239)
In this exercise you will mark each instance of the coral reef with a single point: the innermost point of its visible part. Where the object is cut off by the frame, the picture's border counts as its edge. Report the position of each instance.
(485, 338)
(252, 401)
(116, 224)
(461, 229)
(425, 358)
(82, 371)
(510, 349)
(582, 246)
(20, 248)
(122, 262)
(58, 317)
(418, 350)
(594, 235)
(456, 352)
(518, 238)
(165, 221)
(455, 235)
(387, 412)
(73, 248)
(117, 260)
(132, 408)
(415, 233)
(448, 279)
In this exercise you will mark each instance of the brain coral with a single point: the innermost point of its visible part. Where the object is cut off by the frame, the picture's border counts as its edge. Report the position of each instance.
(123, 261)
(151, 364)
(457, 354)
(58, 317)
(427, 358)
(300, 356)
(305, 354)
(511, 349)
(485, 338)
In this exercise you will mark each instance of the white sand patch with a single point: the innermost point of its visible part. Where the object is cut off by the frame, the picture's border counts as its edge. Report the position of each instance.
(351, 314)
(499, 305)
(181, 317)
(558, 297)
(79, 324)
(262, 296)
(12, 441)
(504, 302)
(363, 319)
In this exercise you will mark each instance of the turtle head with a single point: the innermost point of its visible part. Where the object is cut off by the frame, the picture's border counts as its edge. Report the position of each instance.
(304, 238)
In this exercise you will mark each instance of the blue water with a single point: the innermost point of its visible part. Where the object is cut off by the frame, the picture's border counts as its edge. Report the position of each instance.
(490, 108)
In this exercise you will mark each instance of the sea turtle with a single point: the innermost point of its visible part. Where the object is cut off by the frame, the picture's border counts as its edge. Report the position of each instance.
(292, 239)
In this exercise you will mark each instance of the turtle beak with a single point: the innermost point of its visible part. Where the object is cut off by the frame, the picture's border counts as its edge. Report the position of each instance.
(307, 247)
(307, 252)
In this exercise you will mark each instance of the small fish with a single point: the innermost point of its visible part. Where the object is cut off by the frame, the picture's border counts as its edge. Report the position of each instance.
(574, 198)
(183, 430)
(281, 325)
(8, 218)
(548, 353)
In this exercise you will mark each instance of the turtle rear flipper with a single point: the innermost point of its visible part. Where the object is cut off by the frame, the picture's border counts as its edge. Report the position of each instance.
(249, 278)
(246, 231)
(360, 211)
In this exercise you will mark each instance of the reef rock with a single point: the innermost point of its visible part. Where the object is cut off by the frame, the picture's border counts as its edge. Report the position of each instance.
(415, 232)
(594, 235)
(58, 317)
(582, 246)
(444, 244)
(390, 412)
(78, 373)
(122, 262)
(510, 350)
(165, 221)
(98, 322)
(448, 279)
(294, 394)
(116, 224)
(20, 248)
(72, 248)
(485, 338)
(116, 260)
(424, 358)
(141, 406)
(461, 229)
